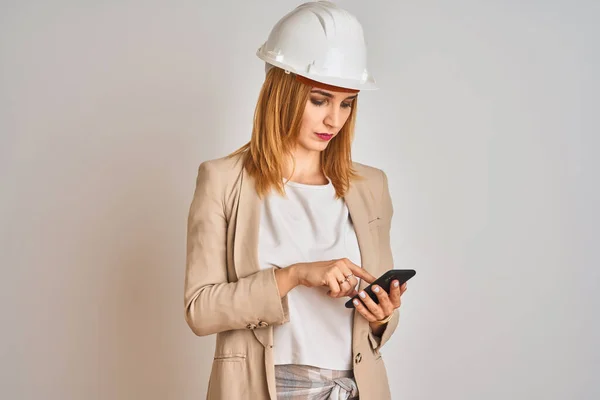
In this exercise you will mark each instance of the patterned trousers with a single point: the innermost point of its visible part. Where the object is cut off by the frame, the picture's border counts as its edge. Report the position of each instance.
(303, 382)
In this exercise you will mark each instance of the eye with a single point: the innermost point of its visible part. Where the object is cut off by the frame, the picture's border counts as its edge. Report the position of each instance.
(346, 105)
(317, 102)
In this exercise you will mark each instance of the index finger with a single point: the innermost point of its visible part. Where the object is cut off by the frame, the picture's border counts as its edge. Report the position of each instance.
(360, 272)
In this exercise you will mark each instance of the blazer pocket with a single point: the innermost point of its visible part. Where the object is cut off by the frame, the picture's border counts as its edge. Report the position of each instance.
(230, 357)
(229, 378)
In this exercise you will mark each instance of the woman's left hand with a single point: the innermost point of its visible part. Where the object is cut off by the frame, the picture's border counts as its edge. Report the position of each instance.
(374, 312)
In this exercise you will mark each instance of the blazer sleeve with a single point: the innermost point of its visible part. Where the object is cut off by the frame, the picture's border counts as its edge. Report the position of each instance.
(386, 258)
(212, 304)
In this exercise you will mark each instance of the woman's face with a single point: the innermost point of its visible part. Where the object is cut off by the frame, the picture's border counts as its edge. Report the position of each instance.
(325, 114)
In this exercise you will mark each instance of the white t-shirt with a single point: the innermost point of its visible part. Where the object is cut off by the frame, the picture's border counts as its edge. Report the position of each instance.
(309, 225)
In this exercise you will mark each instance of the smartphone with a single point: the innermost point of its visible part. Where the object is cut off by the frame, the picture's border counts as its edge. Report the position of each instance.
(384, 282)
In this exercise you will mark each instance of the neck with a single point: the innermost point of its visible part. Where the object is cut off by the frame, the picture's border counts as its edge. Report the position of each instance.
(305, 167)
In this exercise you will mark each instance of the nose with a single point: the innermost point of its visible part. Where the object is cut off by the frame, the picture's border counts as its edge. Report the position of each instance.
(333, 119)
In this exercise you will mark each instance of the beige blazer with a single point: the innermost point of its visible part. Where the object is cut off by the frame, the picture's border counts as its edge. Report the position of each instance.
(228, 294)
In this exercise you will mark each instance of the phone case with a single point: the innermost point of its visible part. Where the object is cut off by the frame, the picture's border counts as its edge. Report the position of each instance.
(385, 281)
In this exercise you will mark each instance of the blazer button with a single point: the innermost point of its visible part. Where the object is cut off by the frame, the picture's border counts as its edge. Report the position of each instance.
(263, 324)
(358, 358)
(251, 326)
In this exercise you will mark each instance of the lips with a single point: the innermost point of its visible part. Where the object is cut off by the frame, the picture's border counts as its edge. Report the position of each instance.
(324, 136)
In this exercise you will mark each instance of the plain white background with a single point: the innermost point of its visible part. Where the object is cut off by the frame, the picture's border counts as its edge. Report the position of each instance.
(484, 124)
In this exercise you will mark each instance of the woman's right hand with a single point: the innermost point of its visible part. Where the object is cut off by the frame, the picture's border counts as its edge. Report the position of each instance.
(339, 275)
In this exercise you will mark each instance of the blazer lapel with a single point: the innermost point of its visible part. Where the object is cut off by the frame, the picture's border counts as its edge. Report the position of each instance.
(245, 246)
(357, 207)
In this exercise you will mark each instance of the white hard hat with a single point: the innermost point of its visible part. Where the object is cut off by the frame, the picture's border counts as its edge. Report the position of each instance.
(322, 42)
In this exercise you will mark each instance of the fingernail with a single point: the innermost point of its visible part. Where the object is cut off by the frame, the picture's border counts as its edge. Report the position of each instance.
(355, 302)
(376, 289)
(363, 294)
(396, 283)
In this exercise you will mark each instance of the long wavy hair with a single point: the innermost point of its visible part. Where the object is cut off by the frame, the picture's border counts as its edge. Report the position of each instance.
(277, 121)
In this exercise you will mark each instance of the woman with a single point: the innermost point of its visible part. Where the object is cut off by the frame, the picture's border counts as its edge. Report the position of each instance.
(282, 231)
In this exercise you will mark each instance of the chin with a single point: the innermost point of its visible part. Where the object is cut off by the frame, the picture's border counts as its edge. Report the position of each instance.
(319, 148)
(314, 146)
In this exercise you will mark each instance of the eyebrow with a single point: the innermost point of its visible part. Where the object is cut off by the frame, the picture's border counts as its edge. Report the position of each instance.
(329, 95)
